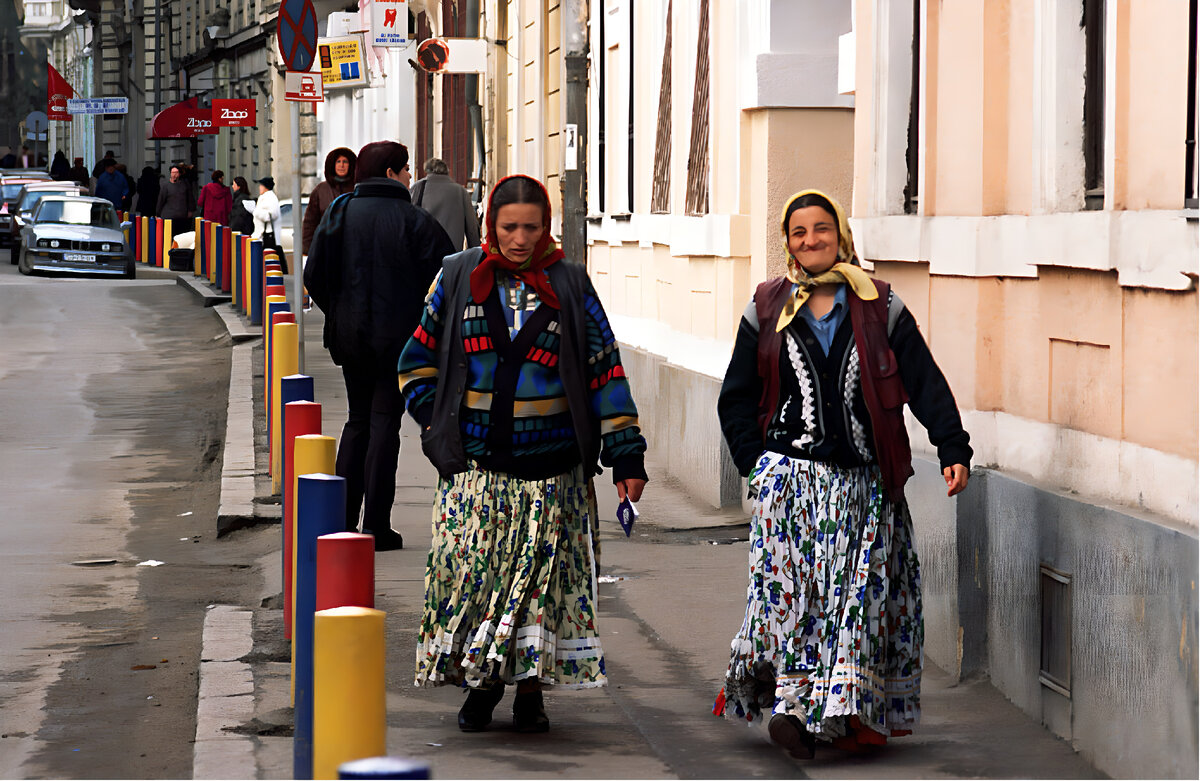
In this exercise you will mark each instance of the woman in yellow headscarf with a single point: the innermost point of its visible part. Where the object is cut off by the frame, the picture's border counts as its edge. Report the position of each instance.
(812, 409)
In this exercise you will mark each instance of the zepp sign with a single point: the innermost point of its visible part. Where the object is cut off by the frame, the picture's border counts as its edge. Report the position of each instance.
(234, 113)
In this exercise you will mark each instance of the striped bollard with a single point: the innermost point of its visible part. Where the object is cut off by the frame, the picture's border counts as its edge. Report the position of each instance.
(312, 454)
(275, 306)
(142, 236)
(321, 509)
(218, 256)
(300, 418)
(349, 705)
(285, 360)
(385, 767)
(197, 244)
(255, 288)
(165, 245)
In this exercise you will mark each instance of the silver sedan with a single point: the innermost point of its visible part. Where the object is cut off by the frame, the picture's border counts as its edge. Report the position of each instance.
(74, 234)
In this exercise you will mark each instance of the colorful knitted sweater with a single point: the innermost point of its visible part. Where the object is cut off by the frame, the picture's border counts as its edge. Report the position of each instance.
(514, 416)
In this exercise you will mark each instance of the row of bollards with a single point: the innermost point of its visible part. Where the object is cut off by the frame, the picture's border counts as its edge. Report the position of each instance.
(337, 637)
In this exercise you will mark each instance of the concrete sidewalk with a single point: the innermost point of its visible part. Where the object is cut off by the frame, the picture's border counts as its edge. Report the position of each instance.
(671, 597)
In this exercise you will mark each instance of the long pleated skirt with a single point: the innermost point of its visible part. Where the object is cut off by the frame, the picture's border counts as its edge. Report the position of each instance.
(510, 584)
(833, 624)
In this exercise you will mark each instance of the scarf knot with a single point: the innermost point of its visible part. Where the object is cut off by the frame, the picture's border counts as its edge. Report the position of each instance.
(857, 279)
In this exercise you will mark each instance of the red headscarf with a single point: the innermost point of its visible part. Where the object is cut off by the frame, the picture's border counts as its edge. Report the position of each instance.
(532, 271)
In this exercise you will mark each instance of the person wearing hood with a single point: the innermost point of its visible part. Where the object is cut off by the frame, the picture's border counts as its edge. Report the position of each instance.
(339, 180)
(147, 192)
(239, 216)
(215, 200)
(371, 261)
(516, 380)
(812, 411)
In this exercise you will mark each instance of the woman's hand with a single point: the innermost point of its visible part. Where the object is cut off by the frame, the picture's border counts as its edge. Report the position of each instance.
(956, 478)
(631, 487)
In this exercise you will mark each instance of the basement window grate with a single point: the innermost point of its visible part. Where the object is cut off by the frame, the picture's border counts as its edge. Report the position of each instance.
(1055, 672)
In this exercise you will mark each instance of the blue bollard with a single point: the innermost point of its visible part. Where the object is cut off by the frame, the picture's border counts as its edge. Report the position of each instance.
(320, 509)
(294, 387)
(385, 768)
(256, 282)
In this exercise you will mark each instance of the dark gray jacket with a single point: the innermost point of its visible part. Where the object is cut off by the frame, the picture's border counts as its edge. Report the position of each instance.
(450, 203)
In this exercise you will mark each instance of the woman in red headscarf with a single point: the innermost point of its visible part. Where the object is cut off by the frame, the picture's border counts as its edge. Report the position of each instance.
(515, 377)
(812, 410)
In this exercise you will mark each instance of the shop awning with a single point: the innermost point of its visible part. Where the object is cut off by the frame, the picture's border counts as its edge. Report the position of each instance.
(183, 120)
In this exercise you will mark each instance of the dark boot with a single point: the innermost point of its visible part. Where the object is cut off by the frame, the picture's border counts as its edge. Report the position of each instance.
(529, 712)
(476, 712)
(789, 732)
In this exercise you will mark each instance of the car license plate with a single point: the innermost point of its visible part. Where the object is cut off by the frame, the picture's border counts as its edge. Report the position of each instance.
(78, 257)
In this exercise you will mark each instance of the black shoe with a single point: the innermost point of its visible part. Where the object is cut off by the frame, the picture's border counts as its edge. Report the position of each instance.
(529, 712)
(476, 712)
(789, 732)
(388, 540)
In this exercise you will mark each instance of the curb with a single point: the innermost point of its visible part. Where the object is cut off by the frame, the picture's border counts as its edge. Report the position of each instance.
(207, 296)
(226, 697)
(236, 507)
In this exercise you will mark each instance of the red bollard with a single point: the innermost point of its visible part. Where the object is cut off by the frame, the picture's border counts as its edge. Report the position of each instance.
(268, 375)
(300, 418)
(345, 570)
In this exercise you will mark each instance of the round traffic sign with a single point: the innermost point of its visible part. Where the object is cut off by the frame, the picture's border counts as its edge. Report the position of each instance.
(296, 30)
(433, 54)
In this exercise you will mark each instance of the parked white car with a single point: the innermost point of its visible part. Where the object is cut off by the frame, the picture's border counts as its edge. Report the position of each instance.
(188, 240)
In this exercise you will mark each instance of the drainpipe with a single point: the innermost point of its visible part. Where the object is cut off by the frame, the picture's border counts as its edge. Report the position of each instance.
(474, 110)
(574, 178)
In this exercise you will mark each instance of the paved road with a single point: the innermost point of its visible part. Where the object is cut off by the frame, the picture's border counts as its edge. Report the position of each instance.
(113, 399)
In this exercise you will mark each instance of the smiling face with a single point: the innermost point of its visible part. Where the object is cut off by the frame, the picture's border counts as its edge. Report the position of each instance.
(519, 227)
(813, 239)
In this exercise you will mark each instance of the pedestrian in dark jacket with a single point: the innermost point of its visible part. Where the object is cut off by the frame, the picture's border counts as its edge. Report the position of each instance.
(240, 218)
(60, 169)
(112, 185)
(102, 164)
(371, 262)
(130, 187)
(147, 189)
(80, 173)
(175, 202)
(449, 202)
(215, 200)
(812, 410)
(339, 179)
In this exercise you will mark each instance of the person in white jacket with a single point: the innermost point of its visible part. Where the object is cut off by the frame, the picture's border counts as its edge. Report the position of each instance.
(267, 220)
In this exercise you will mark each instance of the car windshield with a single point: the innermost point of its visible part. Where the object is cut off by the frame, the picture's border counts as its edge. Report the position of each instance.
(32, 197)
(97, 215)
(11, 191)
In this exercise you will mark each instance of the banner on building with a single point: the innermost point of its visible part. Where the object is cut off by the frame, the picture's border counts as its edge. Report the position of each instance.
(183, 120)
(58, 92)
(389, 23)
(342, 62)
(234, 112)
(98, 106)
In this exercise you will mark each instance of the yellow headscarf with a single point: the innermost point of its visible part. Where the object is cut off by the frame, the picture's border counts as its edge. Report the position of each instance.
(845, 270)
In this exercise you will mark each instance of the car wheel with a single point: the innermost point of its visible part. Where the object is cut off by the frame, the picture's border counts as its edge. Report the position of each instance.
(131, 271)
(14, 254)
(22, 266)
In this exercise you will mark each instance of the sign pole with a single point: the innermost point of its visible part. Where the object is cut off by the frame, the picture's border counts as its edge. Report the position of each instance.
(297, 235)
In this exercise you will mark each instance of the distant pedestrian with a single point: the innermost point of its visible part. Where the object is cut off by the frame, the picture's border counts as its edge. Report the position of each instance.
(27, 160)
(60, 169)
(147, 192)
(112, 185)
(216, 200)
(372, 259)
(515, 377)
(339, 180)
(449, 202)
(240, 218)
(9, 160)
(268, 222)
(175, 202)
(812, 410)
(79, 173)
(130, 185)
(102, 164)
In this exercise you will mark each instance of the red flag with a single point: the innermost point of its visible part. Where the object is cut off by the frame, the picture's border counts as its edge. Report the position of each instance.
(58, 91)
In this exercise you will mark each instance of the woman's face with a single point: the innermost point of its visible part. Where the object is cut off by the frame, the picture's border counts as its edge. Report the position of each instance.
(341, 166)
(519, 227)
(813, 239)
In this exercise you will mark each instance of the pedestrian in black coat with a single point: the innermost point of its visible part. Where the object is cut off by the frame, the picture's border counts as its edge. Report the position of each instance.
(240, 218)
(370, 264)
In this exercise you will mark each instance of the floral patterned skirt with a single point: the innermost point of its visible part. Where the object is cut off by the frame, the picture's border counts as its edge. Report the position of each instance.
(510, 583)
(833, 624)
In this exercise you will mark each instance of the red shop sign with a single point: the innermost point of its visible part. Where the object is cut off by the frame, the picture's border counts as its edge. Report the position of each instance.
(183, 120)
(240, 112)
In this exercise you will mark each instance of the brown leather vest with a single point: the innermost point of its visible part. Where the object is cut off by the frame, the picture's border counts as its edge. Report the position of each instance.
(882, 388)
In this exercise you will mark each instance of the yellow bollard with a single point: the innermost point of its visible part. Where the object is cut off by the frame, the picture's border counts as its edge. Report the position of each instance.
(313, 454)
(196, 246)
(349, 695)
(285, 361)
(166, 244)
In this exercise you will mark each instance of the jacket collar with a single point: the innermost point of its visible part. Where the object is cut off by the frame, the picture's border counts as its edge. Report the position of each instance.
(382, 187)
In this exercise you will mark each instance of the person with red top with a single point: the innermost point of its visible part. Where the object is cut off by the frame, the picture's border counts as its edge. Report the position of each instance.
(215, 201)
(515, 377)
(812, 410)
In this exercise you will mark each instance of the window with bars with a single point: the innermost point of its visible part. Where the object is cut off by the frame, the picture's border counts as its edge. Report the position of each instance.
(1093, 104)
(698, 162)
